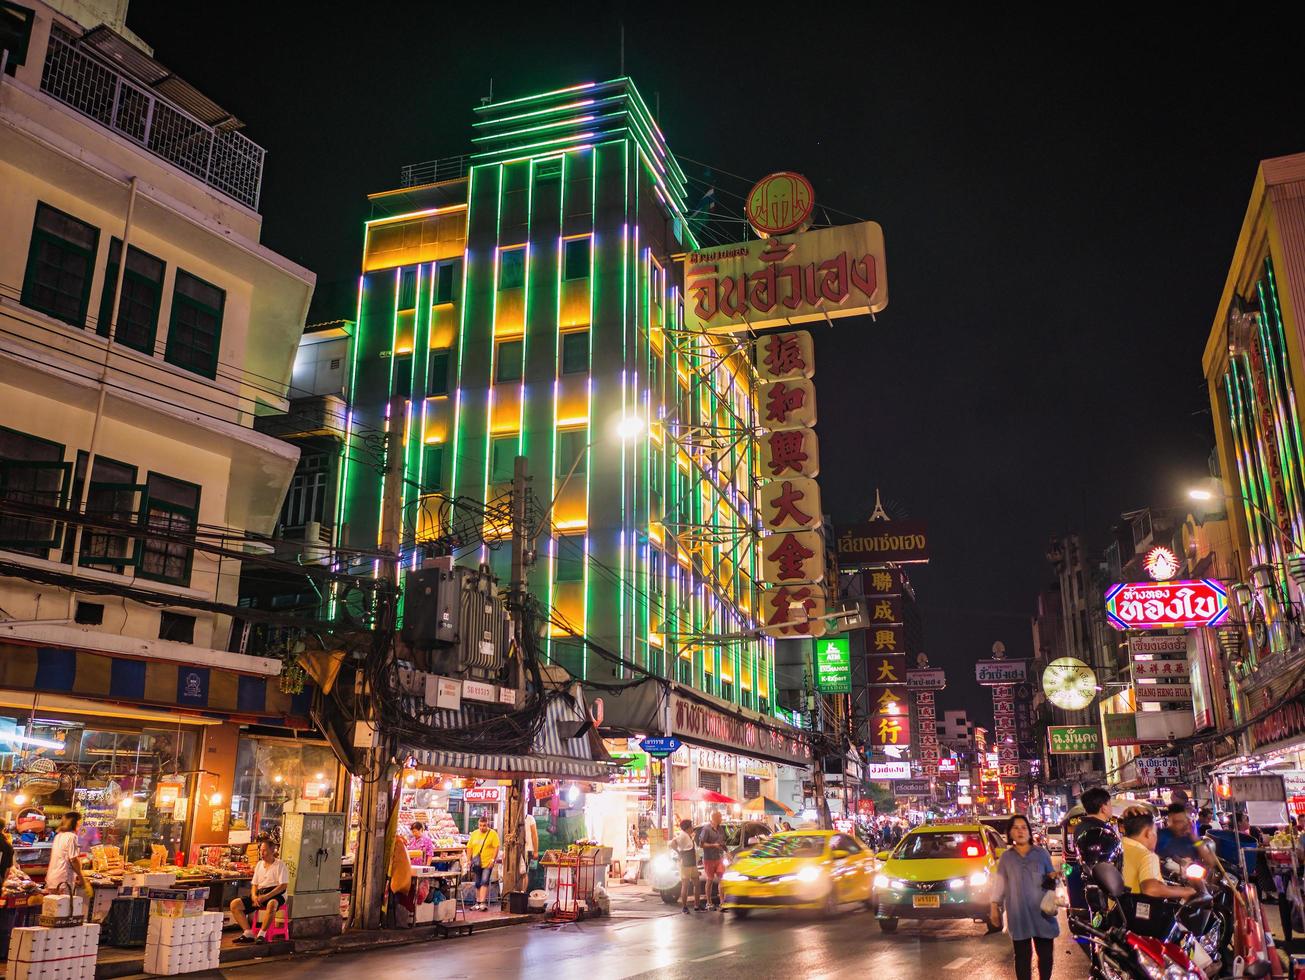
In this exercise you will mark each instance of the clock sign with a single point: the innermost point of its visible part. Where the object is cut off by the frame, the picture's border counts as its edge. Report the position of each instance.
(1069, 683)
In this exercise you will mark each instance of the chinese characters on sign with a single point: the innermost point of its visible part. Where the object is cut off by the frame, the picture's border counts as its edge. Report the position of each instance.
(790, 452)
(890, 723)
(883, 581)
(788, 404)
(1004, 730)
(773, 282)
(886, 668)
(1073, 739)
(926, 717)
(786, 355)
(791, 505)
(794, 556)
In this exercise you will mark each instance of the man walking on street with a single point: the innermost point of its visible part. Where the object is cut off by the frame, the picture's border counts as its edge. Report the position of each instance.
(712, 840)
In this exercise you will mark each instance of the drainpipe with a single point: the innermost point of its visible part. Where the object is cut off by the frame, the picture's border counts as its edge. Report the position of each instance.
(104, 388)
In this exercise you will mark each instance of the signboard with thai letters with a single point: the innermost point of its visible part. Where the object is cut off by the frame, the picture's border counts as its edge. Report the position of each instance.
(879, 542)
(1157, 768)
(885, 771)
(926, 680)
(992, 672)
(1158, 646)
(913, 787)
(792, 278)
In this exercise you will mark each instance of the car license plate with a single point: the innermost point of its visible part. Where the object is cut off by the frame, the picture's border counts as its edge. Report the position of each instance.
(927, 901)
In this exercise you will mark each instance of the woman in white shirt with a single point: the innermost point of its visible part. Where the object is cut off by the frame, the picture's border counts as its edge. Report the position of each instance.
(65, 866)
(687, 850)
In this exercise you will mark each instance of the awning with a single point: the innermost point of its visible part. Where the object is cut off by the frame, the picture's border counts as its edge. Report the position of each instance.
(553, 754)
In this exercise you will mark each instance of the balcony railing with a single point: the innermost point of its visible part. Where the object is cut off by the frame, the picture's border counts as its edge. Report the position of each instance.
(225, 160)
(433, 171)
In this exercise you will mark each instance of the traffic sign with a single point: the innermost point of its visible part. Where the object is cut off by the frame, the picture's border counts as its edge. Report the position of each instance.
(660, 747)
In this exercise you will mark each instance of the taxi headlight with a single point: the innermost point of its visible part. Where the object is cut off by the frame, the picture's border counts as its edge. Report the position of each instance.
(663, 864)
(734, 876)
(956, 883)
(979, 879)
(881, 881)
(809, 874)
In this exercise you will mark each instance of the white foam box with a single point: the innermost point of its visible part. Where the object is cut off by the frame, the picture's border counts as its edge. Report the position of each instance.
(149, 879)
(171, 931)
(31, 943)
(63, 906)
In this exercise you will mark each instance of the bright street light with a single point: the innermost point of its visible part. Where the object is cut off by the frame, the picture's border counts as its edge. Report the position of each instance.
(1197, 494)
(629, 428)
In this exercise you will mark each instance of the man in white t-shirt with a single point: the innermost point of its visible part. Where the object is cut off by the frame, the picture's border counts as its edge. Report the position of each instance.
(271, 877)
(65, 866)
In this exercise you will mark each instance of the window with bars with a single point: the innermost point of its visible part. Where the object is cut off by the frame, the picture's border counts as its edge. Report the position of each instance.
(306, 500)
(575, 352)
(447, 276)
(575, 258)
(142, 294)
(511, 268)
(113, 497)
(60, 264)
(171, 510)
(195, 330)
(32, 475)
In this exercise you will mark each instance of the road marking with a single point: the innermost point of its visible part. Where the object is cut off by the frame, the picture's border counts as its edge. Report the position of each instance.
(712, 956)
(957, 963)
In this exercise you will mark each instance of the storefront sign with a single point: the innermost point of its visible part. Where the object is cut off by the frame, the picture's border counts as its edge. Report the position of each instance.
(791, 505)
(784, 355)
(1164, 670)
(660, 747)
(833, 665)
(1121, 729)
(912, 787)
(884, 610)
(1199, 675)
(483, 794)
(948, 765)
(1157, 768)
(885, 771)
(886, 669)
(1281, 723)
(1261, 788)
(479, 691)
(882, 581)
(780, 203)
(790, 453)
(811, 275)
(1157, 646)
(926, 680)
(1165, 692)
(886, 639)
(794, 556)
(993, 672)
(788, 404)
(1163, 605)
(713, 760)
(794, 611)
(1073, 739)
(697, 721)
(876, 542)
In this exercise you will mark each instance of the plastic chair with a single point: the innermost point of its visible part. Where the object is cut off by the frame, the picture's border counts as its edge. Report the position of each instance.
(277, 931)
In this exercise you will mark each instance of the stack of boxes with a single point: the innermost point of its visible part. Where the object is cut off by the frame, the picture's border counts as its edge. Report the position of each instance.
(183, 943)
(43, 953)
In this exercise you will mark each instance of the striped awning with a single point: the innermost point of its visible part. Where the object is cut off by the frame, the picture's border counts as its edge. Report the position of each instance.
(553, 754)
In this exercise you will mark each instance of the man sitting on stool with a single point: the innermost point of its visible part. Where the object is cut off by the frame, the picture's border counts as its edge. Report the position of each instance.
(271, 877)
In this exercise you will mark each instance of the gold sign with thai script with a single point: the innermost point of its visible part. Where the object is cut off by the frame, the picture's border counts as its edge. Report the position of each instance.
(792, 278)
(876, 542)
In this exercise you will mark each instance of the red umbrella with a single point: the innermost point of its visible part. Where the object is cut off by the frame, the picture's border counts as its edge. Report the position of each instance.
(703, 796)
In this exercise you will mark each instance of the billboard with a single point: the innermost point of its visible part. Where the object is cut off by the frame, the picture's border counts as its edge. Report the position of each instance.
(884, 771)
(876, 542)
(1073, 739)
(926, 680)
(994, 672)
(793, 278)
(1163, 605)
(833, 665)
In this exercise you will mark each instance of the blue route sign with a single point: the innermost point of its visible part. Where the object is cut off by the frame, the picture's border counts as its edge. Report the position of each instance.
(660, 747)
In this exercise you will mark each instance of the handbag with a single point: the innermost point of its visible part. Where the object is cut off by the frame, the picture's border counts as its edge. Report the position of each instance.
(1049, 905)
(475, 861)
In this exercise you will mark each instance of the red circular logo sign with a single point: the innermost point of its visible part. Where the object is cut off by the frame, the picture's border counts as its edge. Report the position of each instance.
(780, 203)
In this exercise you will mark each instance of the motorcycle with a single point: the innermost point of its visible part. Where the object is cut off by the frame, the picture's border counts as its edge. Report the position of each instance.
(1118, 954)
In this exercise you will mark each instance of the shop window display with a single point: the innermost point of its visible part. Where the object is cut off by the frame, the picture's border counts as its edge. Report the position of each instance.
(133, 786)
(276, 776)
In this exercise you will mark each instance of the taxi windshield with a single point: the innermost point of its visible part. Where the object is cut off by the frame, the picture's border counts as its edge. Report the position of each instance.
(935, 846)
(789, 847)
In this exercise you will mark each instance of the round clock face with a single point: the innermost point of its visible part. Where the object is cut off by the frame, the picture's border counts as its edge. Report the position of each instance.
(1069, 683)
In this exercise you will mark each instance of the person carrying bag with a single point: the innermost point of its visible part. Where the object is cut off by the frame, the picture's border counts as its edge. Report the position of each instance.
(482, 849)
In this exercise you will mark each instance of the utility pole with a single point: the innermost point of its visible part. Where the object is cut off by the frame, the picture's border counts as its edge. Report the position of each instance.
(378, 812)
(514, 819)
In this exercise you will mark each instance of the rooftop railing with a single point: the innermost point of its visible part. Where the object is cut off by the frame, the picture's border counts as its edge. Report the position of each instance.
(433, 171)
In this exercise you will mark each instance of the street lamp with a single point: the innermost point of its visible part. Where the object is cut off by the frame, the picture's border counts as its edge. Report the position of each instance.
(1200, 493)
(629, 428)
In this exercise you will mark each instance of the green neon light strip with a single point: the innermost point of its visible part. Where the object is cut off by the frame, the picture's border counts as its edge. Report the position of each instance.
(1288, 419)
(586, 104)
(554, 543)
(585, 120)
(493, 349)
(462, 333)
(535, 98)
(1246, 462)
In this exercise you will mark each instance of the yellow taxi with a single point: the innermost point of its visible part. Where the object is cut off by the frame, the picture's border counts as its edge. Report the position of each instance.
(807, 869)
(938, 871)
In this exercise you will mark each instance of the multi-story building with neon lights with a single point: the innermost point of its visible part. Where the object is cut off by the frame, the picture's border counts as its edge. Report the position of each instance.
(525, 300)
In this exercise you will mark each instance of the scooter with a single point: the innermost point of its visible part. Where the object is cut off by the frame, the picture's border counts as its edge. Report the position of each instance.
(1118, 954)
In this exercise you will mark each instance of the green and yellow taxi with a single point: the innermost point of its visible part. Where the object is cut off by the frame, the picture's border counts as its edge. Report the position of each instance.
(938, 871)
(801, 869)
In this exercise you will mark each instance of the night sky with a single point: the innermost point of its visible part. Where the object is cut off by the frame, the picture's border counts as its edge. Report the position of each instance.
(1060, 209)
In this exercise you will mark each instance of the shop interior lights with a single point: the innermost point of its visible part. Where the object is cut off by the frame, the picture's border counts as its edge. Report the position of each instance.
(20, 799)
(215, 799)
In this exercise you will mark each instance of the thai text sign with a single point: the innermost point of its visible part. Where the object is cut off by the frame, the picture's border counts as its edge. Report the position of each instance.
(813, 275)
(1121, 728)
(1073, 739)
(1160, 605)
(1158, 646)
(1156, 768)
(913, 787)
(884, 771)
(834, 665)
(926, 680)
(876, 542)
(992, 672)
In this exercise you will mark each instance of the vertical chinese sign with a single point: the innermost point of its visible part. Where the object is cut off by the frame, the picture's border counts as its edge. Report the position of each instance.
(886, 674)
(924, 683)
(793, 551)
